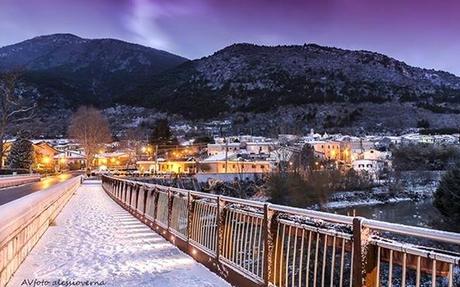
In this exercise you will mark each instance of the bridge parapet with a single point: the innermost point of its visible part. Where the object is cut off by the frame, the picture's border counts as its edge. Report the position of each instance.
(252, 243)
(8, 181)
(25, 220)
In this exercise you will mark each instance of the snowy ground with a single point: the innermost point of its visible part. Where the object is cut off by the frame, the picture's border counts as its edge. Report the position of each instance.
(96, 241)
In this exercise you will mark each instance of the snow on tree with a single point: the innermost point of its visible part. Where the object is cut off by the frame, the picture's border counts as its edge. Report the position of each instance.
(22, 153)
(447, 196)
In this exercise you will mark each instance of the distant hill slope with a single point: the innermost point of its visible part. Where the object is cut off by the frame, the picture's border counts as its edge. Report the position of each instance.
(251, 78)
(71, 70)
(258, 88)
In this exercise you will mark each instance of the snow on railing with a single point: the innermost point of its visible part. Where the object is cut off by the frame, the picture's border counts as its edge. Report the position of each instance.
(253, 243)
(23, 222)
(8, 181)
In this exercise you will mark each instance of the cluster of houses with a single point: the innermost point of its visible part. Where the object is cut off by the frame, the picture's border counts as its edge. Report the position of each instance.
(47, 156)
(231, 157)
(247, 156)
(62, 154)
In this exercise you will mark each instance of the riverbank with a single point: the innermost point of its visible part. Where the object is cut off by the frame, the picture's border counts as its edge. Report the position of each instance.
(412, 186)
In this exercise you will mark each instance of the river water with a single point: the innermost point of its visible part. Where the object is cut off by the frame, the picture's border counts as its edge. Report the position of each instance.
(416, 213)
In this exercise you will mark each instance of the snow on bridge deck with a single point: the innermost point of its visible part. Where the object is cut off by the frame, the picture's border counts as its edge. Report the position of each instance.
(96, 240)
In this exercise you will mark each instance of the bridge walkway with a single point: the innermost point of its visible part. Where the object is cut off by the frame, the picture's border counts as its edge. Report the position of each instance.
(96, 241)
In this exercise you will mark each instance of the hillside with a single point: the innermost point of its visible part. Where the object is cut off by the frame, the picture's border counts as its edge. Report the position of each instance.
(258, 88)
(251, 78)
(69, 71)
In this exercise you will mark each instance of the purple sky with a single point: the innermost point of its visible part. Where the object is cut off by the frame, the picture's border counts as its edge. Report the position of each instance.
(423, 33)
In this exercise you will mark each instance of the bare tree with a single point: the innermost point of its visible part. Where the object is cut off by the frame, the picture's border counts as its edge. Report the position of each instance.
(14, 107)
(91, 129)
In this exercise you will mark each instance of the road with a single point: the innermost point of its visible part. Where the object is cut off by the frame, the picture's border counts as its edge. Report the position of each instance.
(13, 193)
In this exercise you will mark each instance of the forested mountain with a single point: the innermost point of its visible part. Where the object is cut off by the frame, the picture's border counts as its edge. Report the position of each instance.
(69, 71)
(256, 87)
(251, 78)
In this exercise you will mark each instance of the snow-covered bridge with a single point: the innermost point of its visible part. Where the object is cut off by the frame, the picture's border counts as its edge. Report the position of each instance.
(94, 239)
(127, 233)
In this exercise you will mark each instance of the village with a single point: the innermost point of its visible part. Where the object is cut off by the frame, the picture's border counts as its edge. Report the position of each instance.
(229, 158)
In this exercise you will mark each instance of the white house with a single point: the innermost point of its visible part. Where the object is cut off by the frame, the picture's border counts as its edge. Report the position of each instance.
(259, 149)
(214, 149)
(372, 167)
(374, 154)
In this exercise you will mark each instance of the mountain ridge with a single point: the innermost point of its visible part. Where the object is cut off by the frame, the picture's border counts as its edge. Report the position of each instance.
(243, 82)
(242, 77)
(84, 71)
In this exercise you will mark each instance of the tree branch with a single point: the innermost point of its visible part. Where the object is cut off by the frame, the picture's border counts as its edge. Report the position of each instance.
(23, 110)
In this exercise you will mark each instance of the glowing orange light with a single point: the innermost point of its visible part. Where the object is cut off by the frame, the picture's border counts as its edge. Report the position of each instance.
(46, 160)
(332, 153)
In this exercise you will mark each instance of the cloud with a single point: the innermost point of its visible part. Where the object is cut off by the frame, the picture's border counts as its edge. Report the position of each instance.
(148, 19)
(143, 22)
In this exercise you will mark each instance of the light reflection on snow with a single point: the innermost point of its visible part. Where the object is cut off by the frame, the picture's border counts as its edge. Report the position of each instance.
(160, 265)
(98, 241)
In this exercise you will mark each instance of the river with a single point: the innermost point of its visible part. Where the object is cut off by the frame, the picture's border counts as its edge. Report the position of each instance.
(416, 213)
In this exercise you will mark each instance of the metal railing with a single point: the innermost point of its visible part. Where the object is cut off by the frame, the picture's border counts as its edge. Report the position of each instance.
(252, 243)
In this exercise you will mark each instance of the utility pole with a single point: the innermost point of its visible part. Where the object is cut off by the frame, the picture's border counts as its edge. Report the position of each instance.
(226, 154)
(156, 159)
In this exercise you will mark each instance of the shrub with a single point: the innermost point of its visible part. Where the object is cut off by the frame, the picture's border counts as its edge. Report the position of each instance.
(424, 157)
(447, 195)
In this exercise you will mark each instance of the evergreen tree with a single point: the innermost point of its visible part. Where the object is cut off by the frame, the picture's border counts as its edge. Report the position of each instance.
(21, 154)
(161, 134)
(447, 196)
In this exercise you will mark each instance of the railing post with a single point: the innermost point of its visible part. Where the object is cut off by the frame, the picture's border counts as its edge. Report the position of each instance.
(124, 188)
(170, 204)
(155, 202)
(137, 188)
(130, 188)
(146, 193)
(364, 256)
(189, 215)
(220, 227)
(267, 230)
